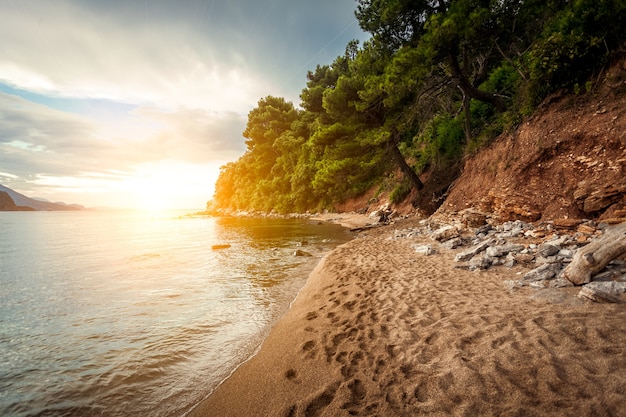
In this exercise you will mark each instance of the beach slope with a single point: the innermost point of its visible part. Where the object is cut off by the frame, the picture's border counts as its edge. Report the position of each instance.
(380, 330)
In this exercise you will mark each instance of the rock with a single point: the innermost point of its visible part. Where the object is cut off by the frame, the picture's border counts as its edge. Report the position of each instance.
(614, 220)
(510, 284)
(510, 260)
(547, 249)
(481, 262)
(468, 254)
(610, 287)
(524, 257)
(559, 241)
(559, 282)
(598, 296)
(424, 249)
(583, 228)
(590, 200)
(445, 233)
(607, 275)
(544, 272)
(497, 251)
(484, 229)
(453, 243)
(540, 260)
(473, 218)
(300, 252)
(567, 223)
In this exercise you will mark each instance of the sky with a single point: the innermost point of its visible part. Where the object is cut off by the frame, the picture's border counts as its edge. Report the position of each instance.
(137, 103)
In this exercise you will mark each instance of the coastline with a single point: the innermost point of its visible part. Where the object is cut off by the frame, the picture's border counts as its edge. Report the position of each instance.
(379, 329)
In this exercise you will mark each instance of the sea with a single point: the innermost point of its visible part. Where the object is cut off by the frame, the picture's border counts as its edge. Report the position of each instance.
(130, 313)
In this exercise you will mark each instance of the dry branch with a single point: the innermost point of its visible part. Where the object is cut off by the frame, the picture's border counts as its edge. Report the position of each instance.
(594, 257)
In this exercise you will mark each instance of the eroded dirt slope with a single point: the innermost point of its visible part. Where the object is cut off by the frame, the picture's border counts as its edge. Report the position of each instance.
(567, 161)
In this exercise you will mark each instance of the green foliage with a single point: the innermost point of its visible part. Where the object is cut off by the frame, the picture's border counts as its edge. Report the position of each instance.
(437, 79)
(579, 38)
(400, 192)
(440, 142)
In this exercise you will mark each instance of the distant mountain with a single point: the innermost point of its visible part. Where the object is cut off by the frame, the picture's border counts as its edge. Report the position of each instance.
(23, 203)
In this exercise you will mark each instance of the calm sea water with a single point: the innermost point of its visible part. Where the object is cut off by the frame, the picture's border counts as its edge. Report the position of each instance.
(124, 314)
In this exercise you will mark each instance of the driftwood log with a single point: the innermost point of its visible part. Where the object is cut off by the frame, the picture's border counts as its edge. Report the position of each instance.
(594, 257)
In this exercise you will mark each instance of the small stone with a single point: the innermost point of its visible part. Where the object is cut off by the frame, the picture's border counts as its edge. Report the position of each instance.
(544, 272)
(559, 241)
(582, 239)
(481, 262)
(424, 249)
(453, 243)
(547, 249)
(468, 254)
(496, 251)
(524, 257)
(484, 229)
(583, 228)
(300, 252)
(445, 233)
(510, 284)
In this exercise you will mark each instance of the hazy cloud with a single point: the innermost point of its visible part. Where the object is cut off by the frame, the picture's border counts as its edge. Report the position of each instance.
(103, 93)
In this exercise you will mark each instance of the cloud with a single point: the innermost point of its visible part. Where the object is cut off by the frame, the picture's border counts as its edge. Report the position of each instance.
(194, 53)
(100, 94)
(60, 48)
(37, 139)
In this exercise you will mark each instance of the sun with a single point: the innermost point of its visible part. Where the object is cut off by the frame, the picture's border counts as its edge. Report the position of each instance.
(170, 186)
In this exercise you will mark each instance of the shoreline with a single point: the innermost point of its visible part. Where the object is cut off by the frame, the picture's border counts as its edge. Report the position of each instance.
(379, 329)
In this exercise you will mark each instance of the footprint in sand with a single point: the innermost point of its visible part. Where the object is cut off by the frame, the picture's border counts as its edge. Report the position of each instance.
(308, 348)
(321, 401)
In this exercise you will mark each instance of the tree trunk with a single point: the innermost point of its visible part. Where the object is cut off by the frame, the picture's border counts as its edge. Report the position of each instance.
(471, 91)
(402, 164)
(468, 120)
(592, 258)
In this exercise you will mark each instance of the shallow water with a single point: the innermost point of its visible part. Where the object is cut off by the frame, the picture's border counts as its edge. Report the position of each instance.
(119, 313)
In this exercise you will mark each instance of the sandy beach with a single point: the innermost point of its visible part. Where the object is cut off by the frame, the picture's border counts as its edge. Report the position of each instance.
(380, 330)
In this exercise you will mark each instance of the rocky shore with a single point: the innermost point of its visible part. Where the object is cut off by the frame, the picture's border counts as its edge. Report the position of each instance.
(442, 317)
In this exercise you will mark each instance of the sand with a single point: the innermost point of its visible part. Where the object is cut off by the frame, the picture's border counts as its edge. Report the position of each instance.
(379, 330)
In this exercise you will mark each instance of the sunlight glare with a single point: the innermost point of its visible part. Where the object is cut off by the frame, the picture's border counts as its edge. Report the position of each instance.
(168, 186)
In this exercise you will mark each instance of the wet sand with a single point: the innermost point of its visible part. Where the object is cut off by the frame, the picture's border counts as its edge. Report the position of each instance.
(379, 330)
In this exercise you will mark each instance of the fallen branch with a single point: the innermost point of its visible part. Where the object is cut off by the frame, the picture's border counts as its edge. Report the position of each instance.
(594, 257)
